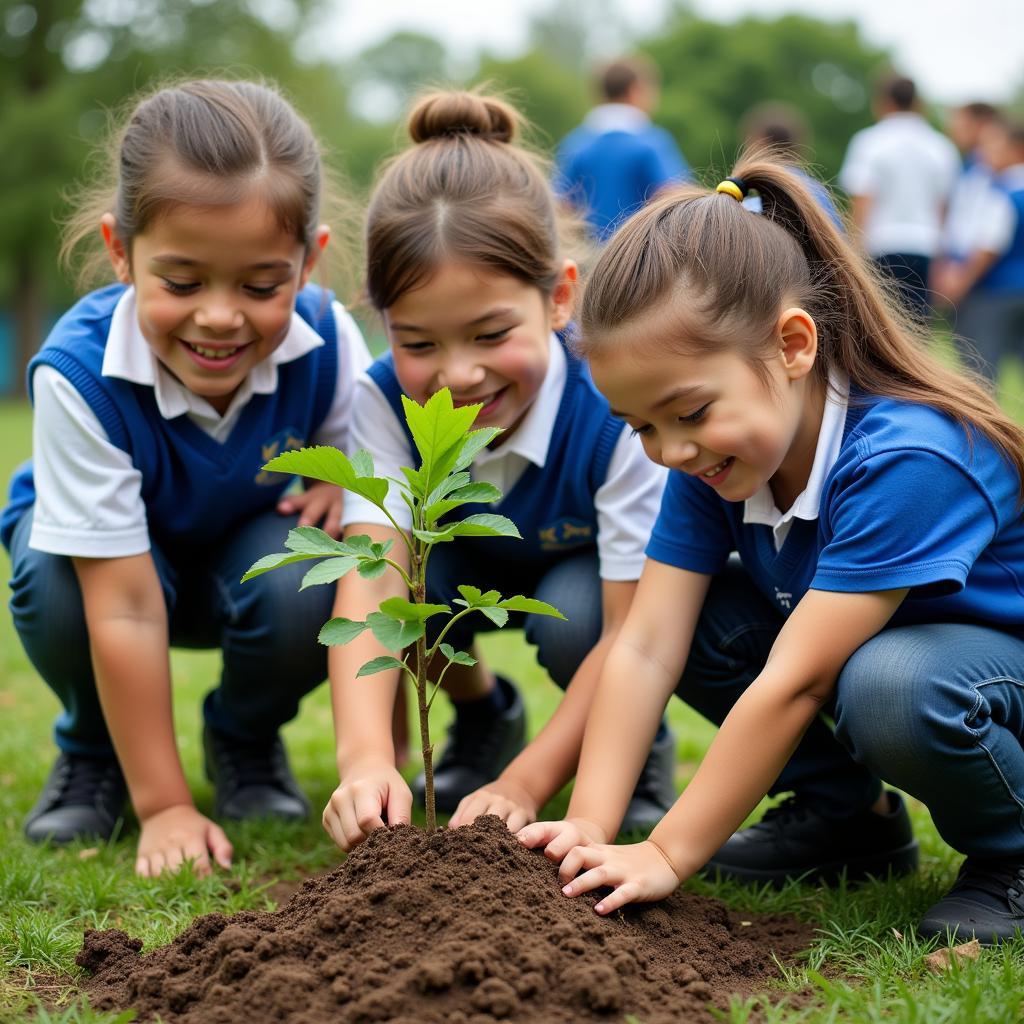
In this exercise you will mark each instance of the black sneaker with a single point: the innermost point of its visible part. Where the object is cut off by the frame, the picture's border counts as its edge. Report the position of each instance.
(83, 798)
(986, 903)
(794, 841)
(252, 780)
(655, 791)
(474, 756)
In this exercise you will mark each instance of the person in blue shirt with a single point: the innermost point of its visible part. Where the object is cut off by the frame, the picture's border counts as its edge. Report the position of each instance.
(873, 499)
(467, 266)
(157, 400)
(617, 159)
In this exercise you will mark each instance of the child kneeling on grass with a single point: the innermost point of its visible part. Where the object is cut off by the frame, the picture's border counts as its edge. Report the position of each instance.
(157, 401)
(874, 499)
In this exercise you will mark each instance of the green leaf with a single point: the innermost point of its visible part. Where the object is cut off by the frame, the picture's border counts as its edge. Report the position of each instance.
(381, 664)
(474, 443)
(530, 605)
(414, 482)
(362, 463)
(333, 467)
(408, 611)
(497, 615)
(474, 598)
(447, 485)
(435, 536)
(485, 525)
(275, 561)
(371, 568)
(438, 429)
(459, 657)
(328, 572)
(392, 634)
(311, 540)
(474, 492)
(340, 631)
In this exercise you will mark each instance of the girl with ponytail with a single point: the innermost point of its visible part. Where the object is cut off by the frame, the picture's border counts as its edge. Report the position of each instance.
(873, 497)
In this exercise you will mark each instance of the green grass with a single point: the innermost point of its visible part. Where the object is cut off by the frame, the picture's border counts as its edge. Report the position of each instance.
(859, 968)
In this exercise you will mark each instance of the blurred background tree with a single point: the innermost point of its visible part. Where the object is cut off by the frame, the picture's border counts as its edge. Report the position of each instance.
(66, 65)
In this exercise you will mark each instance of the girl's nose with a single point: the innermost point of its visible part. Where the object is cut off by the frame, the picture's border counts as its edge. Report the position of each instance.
(678, 454)
(460, 375)
(219, 314)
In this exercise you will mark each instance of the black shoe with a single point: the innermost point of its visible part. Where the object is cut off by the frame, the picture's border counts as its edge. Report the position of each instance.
(986, 903)
(793, 841)
(83, 798)
(475, 755)
(655, 791)
(252, 780)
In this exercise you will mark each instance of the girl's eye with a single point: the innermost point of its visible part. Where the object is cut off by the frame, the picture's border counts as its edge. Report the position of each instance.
(417, 346)
(178, 288)
(695, 417)
(641, 431)
(262, 292)
(495, 336)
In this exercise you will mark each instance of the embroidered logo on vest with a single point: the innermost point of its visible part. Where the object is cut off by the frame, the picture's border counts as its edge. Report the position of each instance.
(565, 533)
(784, 597)
(287, 440)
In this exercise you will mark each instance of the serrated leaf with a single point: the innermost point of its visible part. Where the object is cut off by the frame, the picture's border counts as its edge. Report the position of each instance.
(340, 631)
(311, 540)
(486, 524)
(475, 492)
(409, 611)
(497, 615)
(371, 568)
(459, 657)
(381, 664)
(393, 634)
(333, 467)
(274, 561)
(436, 536)
(362, 463)
(414, 481)
(475, 598)
(438, 430)
(329, 571)
(530, 605)
(447, 485)
(474, 443)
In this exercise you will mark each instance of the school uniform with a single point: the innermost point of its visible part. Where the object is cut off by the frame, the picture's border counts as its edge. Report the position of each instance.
(127, 461)
(899, 496)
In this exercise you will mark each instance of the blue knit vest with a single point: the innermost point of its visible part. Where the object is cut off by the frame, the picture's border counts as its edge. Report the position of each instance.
(1007, 273)
(194, 488)
(552, 505)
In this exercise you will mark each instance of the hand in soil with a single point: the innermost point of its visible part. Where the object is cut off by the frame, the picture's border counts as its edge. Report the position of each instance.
(178, 834)
(507, 800)
(638, 873)
(559, 837)
(318, 505)
(359, 804)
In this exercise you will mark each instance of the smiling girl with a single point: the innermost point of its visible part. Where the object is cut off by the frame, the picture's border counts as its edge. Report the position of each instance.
(157, 400)
(873, 497)
(466, 268)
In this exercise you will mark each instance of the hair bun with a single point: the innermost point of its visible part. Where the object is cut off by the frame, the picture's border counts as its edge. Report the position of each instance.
(446, 114)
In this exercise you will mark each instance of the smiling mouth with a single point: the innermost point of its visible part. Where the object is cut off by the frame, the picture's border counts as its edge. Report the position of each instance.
(483, 400)
(716, 469)
(212, 353)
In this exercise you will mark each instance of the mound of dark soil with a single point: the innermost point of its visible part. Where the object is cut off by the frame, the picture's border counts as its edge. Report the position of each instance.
(462, 927)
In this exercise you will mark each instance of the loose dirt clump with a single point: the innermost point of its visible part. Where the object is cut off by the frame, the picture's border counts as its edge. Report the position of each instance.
(461, 927)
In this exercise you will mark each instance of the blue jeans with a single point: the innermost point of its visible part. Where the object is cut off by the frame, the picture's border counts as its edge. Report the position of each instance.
(265, 629)
(936, 710)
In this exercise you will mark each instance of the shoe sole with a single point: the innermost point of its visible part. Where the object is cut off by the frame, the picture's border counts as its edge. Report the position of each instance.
(901, 861)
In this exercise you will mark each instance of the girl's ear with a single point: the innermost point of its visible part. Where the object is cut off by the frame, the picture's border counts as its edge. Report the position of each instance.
(116, 249)
(563, 295)
(798, 342)
(316, 248)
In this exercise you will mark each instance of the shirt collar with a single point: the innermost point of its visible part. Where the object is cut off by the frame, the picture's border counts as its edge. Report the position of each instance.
(532, 438)
(616, 117)
(761, 508)
(129, 357)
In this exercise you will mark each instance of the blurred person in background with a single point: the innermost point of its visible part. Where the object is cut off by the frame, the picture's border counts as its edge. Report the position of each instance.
(899, 174)
(782, 129)
(616, 160)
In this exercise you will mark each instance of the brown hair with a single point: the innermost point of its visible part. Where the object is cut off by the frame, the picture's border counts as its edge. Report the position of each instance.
(465, 191)
(206, 143)
(728, 271)
(616, 79)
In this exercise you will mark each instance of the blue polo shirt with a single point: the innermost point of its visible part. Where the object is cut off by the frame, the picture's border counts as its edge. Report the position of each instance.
(912, 500)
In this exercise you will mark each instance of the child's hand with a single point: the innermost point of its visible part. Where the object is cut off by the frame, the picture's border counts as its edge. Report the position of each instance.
(179, 834)
(318, 505)
(636, 874)
(559, 837)
(507, 800)
(358, 805)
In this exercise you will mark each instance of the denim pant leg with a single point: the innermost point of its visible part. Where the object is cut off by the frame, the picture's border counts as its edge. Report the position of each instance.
(46, 605)
(267, 631)
(734, 635)
(938, 710)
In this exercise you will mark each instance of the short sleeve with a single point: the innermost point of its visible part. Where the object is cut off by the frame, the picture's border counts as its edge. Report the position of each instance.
(904, 519)
(691, 531)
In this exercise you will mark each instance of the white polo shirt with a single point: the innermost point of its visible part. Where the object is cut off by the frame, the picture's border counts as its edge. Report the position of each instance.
(627, 502)
(88, 492)
(907, 169)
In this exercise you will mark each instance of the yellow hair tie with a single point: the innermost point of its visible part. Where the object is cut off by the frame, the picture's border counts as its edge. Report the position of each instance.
(730, 188)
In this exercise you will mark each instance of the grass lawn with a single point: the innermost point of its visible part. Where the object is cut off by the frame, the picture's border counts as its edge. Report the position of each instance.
(866, 964)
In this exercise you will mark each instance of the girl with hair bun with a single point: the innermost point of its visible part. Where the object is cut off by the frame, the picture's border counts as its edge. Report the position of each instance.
(157, 400)
(465, 266)
(874, 499)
